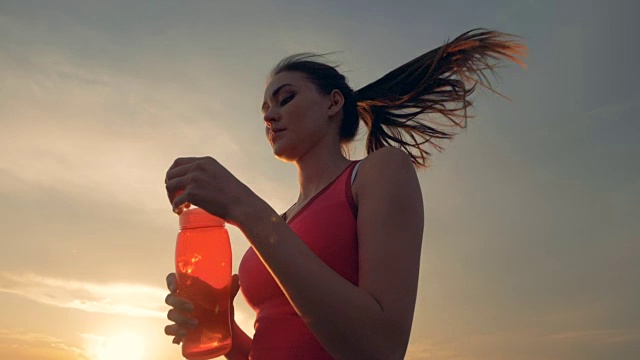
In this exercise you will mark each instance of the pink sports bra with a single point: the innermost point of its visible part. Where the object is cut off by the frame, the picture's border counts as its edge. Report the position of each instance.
(327, 224)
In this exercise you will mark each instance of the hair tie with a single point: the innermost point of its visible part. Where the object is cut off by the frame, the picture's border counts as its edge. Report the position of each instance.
(356, 95)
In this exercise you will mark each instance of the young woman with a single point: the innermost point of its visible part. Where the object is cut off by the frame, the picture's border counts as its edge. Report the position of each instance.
(336, 275)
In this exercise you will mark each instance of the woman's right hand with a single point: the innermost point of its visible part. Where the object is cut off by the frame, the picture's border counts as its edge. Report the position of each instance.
(182, 309)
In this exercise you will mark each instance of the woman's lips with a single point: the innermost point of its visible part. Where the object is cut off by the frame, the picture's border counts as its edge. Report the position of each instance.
(274, 134)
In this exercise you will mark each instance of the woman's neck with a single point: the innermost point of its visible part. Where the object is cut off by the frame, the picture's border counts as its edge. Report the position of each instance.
(317, 169)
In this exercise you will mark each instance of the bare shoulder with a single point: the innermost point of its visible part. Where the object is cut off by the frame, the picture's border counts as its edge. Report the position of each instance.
(383, 165)
(388, 153)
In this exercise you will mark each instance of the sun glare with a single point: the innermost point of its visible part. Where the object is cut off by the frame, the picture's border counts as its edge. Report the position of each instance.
(125, 346)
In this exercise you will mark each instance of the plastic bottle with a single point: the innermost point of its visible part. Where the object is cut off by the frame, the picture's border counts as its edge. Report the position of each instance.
(203, 269)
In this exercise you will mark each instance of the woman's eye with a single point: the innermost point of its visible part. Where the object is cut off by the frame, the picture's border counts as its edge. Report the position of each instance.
(286, 100)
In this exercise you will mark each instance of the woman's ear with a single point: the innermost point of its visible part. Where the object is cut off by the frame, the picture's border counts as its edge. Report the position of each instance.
(336, 102)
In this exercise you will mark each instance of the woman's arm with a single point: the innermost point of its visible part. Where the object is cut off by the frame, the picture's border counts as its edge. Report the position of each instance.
(372, 320)
(240, 341)
(241, 344)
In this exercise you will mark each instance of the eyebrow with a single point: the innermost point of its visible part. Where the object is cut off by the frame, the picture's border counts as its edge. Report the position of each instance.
(275, 93)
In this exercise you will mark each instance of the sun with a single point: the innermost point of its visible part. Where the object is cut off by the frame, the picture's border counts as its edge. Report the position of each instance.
(124, 346)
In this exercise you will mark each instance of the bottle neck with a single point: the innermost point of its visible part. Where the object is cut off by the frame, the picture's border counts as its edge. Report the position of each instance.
(201, 226)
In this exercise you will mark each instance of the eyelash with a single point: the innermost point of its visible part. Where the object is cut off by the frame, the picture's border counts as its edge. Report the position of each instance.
(287, 100)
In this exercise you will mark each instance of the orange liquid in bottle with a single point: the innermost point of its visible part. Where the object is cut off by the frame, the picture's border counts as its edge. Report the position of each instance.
(203, 268)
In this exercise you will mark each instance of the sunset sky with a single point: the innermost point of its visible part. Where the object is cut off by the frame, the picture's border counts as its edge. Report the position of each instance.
(532, 239)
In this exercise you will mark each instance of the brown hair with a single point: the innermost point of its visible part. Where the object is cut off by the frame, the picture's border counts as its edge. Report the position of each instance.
(397, 108)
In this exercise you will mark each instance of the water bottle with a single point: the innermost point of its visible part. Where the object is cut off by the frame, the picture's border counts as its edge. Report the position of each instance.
(203, 269)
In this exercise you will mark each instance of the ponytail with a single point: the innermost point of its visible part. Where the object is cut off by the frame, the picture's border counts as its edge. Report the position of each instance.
(397, 109)
(436, 83)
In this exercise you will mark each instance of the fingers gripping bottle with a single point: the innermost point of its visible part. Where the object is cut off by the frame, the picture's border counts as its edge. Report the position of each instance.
(203, 269)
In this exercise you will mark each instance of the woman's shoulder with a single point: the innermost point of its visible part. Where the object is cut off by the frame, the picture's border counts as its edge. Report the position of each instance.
(381, 159)
(380, 167)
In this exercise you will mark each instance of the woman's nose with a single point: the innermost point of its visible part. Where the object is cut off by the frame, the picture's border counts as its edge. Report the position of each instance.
(270, 117)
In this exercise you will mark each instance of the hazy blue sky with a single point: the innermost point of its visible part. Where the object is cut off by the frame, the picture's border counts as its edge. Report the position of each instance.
(532, 240)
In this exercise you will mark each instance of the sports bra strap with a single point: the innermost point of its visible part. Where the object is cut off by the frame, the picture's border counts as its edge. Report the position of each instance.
(355, 170)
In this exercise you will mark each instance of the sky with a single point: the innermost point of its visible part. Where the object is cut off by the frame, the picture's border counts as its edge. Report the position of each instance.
(531, 246)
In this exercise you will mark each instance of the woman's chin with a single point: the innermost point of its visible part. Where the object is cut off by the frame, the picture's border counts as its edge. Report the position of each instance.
(282, 155)
(278, 153)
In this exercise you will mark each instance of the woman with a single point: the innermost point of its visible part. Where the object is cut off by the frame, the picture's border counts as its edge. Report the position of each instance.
(336, 275)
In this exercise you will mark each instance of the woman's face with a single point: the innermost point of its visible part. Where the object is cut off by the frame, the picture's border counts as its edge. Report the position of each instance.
(295, 115)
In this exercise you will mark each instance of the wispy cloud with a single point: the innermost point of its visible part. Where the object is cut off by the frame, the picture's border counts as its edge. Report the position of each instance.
(125, 299)
(21, 335)
(422, 350)
(59, 105)
(596, 336)
(29, 343)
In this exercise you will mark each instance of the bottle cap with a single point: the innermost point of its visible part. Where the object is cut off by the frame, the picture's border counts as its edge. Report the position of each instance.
(196, 218)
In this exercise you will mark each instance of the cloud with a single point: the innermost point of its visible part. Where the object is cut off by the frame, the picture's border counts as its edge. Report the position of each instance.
(24, 336)
(422, 350)
(77, 126)
(134, 300)
(25, 344)
(596, 336)
(118, 298)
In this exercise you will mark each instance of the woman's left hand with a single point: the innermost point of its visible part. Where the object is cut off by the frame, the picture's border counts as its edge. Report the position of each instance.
(205, 183)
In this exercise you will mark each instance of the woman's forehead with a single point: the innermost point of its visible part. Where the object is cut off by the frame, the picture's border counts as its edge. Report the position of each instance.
(286, 77)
